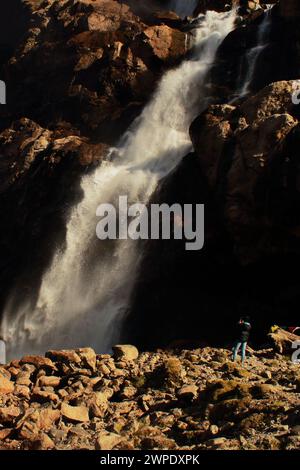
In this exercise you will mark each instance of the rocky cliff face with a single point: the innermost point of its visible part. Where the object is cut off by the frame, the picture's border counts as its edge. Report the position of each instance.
(259, 187)
(187, 400)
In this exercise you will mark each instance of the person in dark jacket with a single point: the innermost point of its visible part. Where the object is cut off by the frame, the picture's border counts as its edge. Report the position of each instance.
(244, 328)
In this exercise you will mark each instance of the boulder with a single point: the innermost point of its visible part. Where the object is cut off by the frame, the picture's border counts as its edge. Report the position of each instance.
(8, 414)
(128, 392)
(125, 352)
(165, 42)
(172, 370)
(188, 392)
(283, 340)
(107, 441)
(88, 357)
(22, 391)
(42, 396)
(6, 373)
(35, 421)
(48, 381)
(158, 442)
(77, 414)
(6, 386)
(5, 433)
(226, 389)
(64, 356)
(23, 378)
(217, 443)
(38, 361)
(44, 442)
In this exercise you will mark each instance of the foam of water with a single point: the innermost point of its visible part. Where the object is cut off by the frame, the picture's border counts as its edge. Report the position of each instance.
(84, 294)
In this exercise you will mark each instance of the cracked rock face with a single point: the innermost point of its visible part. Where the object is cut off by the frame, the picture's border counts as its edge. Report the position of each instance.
(260, 181)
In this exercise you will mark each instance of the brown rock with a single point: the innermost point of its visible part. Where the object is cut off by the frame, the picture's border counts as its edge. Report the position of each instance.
(44, 442)
(34, 421)
(79, 414)
(88, 357)
(38, 361)
(23, 378)
(219, 390)
(14, 371)
(128, 392)
(125, 352)
(171, 371)
(188, 392)
(98, 402)
(40, 395)
(107, 441)
(9, 414)
(5, 373)
(213, 429)
(48, 381)
(6, 386)
(217, 443)
(22, 391)
(63, 356)
(5, 432)
(158, 442)
(165, 42)
(292, 443)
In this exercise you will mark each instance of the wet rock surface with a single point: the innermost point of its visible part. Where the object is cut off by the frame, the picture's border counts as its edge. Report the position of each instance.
(178, 399)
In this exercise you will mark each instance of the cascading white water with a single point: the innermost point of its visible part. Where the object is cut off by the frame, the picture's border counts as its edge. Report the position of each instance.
(85, 292)
(253, 54)
(183, 8)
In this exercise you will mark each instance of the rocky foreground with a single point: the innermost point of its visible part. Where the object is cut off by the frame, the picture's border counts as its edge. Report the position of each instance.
(189, 399)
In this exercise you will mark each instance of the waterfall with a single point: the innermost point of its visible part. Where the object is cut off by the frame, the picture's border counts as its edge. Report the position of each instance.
(85, 292)
(183, 8)
(251, 58)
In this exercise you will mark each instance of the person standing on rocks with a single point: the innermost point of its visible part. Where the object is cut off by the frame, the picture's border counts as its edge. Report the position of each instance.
(244, 328)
